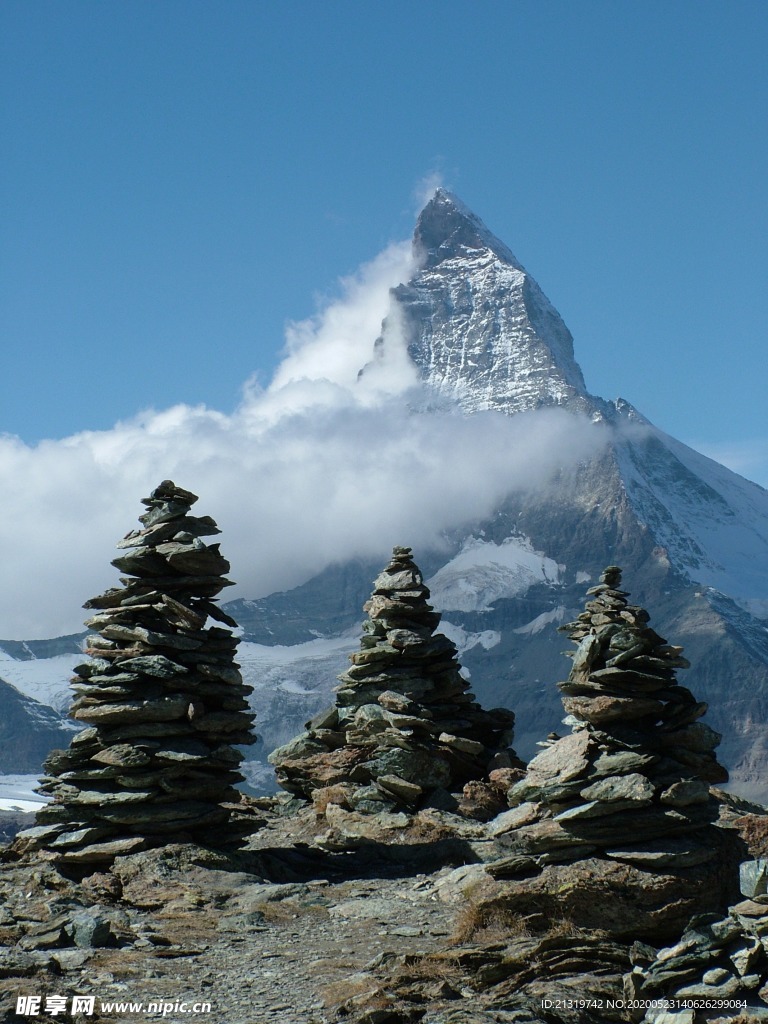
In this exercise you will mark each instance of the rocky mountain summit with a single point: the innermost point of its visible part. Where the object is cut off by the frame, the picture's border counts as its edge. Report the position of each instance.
(405, 726)
(162, 699)
(504, 345)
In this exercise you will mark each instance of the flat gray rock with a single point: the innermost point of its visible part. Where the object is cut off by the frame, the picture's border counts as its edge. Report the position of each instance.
(566, 759)
(632, 788)
(670, 853)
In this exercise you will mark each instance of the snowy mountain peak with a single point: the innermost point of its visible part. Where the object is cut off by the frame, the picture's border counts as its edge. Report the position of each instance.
(478, 328)
(446, 228)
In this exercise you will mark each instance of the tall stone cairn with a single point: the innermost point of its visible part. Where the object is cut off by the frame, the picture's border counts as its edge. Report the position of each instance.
(162, 699)
(404, 724)
(631, 781)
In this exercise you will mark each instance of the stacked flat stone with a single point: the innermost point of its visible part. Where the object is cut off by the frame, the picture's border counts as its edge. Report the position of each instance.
(162, 699)
(631, 781)
(718, 961)
(404, 724)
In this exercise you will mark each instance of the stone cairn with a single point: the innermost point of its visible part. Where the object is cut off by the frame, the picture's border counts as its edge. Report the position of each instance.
(631, 781)
(716, 958)
(162, 699)
(404, 724)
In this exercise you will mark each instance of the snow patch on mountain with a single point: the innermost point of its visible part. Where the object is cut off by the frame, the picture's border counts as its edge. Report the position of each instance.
(466, 640)
(483, 572)
(45, 680)
(491, 356)
(298, 668)
(290, 685)
(17, 793)
(543, 621)
(712, 522)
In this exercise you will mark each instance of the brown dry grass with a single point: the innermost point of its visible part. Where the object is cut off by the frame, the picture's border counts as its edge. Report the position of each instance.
(562, 928)
(486, 920)
(420, 831)
(353, 991)
(488, 923)
(337, 794)
(430, 968)
(279, 912)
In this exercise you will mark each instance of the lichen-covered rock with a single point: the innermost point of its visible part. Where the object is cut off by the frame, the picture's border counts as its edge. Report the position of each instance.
(405, 724)
(651, 902)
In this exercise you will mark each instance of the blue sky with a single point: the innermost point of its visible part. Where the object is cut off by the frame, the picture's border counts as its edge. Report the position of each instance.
(180, 180)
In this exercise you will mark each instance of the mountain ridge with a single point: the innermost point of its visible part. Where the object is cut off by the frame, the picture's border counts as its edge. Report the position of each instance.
(499, 314)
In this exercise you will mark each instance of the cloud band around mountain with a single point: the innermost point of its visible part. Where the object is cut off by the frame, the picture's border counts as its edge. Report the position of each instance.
(316, 468)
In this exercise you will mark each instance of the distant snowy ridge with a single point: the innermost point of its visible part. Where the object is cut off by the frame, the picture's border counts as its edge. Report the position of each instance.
(256, 660)
(712, 522)
(466, 640)
(543, 621)
(43, 679)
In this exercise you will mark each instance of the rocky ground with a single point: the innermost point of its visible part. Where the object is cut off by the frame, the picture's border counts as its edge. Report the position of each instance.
(324, 918)
(293, 930)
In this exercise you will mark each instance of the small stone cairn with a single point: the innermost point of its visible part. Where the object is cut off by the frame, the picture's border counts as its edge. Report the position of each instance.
(717, 961)
(404, 724)
(162, 699)
(631, 781)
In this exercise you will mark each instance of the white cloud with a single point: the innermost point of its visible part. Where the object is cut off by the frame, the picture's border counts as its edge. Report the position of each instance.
(315, 468)
(330, 345)
(426, 188)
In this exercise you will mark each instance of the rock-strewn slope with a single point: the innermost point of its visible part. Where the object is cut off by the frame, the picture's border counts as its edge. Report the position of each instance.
(279, 932)
(162, 697)
(404, 724)
(402, 926)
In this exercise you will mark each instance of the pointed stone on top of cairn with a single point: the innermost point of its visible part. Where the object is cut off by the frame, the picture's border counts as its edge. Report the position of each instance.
(404, 724)
(631, 781)
(162, 699)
